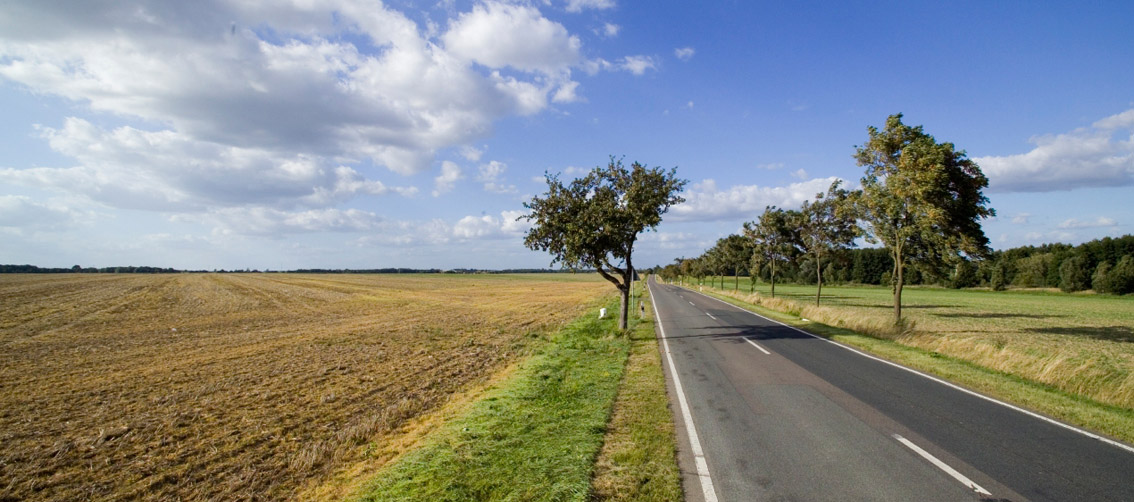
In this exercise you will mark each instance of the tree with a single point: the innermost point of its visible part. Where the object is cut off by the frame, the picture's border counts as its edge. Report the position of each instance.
(595, 220)
(920, 198)
(825, 226)
(736, 251)
(772, 237)
(1073, 274)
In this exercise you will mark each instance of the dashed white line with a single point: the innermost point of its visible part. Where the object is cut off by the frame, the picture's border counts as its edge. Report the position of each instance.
(691, 303)
(710, 315)
(954, 386)
(762, 349)
(694, 443)
(942, 465)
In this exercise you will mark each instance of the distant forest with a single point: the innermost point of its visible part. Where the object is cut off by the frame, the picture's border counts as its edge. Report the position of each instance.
(32, 269)
(1104, 265)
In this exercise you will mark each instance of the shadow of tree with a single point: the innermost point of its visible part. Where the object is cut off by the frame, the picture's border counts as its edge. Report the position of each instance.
(1001, 316)
(1110, 333)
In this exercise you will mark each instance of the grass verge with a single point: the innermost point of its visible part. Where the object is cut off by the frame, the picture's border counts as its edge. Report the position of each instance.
(638, 458)
(1114, 421)
(535, 438)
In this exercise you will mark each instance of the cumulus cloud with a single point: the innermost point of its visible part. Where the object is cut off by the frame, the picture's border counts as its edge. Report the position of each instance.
(1101, 155)
(170, 171)
(684, 53)
(491, 227)
(638, 65)
(19, 213)
(610, 30)
(706, 202)
(580, 5)
(278, 106)
(1102, 221)
(450, 174)
(491, 175)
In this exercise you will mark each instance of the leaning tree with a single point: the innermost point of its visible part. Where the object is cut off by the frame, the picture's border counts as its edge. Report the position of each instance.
(594, 221)
(920, 198)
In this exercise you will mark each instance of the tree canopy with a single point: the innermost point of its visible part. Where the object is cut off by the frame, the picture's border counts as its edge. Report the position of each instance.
(594, 221)
(920, 198)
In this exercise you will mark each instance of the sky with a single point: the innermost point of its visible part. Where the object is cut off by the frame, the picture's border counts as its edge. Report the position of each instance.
(361, 134)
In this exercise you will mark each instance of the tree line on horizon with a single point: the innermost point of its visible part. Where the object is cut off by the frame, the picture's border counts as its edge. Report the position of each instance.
(1067, 267)
(923, 202)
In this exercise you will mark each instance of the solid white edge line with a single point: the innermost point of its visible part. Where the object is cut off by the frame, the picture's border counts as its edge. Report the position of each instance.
(942, 465)
(694, 443)
(762, 349)
(1032, 414)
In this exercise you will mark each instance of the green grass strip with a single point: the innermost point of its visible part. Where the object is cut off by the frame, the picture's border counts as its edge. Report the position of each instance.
(535, 438)
(638, 462)
(1114, 421)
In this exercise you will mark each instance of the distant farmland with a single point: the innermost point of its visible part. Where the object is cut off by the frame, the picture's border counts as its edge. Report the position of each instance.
(205, 386)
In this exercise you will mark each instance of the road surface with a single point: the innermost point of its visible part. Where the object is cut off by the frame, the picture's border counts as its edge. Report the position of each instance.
(778, 414)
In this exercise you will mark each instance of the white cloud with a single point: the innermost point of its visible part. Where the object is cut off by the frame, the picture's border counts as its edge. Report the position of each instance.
(500, 35)
(170, 171)
(689, 105)
(610, 30)
(771, 166)
(706, 202)
(450, 174)
(638, 65)
(274, 222)
(1102, 221)
(1101, 155)
(579, 5)
(491, 174)
(269, 105)
(684, 53)
(1021, 219)
(799, 174)
(471, 154)
(491, 227)
(19, 214)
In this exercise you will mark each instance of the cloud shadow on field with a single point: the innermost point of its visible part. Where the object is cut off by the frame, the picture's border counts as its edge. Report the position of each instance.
(1108, 333)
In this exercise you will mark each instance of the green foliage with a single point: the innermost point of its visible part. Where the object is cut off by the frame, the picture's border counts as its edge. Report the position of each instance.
(825, 226)
(594, 221)
(1073, 275)
(1031, 272)
(998, 281)
(920, 198)
(964, 275)
(1117, 279)
(773, 237)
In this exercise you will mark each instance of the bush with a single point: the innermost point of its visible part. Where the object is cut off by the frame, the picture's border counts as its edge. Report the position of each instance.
(1101, 280)
(1073, 274)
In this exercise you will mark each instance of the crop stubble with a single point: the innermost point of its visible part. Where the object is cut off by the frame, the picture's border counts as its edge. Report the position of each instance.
(217, 387)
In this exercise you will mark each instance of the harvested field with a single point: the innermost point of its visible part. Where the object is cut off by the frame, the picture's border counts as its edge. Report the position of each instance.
(222, 387)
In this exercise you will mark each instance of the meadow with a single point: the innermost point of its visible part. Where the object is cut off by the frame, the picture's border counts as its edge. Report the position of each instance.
(250, 387)
(1081, 344)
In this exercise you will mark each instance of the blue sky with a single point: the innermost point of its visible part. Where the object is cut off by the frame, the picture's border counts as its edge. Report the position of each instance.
(343, 134)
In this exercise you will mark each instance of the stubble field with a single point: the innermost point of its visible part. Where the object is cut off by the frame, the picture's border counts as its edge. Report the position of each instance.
(251, 387)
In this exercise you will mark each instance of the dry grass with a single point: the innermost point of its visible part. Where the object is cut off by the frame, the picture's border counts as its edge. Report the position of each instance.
(223, 387)
(1081, 344)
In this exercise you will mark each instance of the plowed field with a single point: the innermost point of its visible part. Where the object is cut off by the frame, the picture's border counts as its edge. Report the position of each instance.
(225, 387)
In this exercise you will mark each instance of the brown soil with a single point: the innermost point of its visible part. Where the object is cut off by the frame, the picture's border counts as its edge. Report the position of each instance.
(224, 387)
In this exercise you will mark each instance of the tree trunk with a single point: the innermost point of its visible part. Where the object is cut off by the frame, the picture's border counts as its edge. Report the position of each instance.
(898, 269)
(736, 280)
(773, 278)
(818, 282)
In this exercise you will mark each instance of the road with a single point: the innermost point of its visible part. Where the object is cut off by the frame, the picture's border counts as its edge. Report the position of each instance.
(778, 414)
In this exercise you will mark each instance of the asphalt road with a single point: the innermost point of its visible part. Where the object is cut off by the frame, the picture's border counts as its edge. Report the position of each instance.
(781, 415)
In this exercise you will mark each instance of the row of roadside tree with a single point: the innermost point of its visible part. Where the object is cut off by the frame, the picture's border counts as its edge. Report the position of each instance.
(923, 202)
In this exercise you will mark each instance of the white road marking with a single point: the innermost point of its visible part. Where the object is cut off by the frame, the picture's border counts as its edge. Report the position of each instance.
(687, 416)
(942, 465)
(710, 315)
(942, 382)
(691, 303)
(762, 349)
